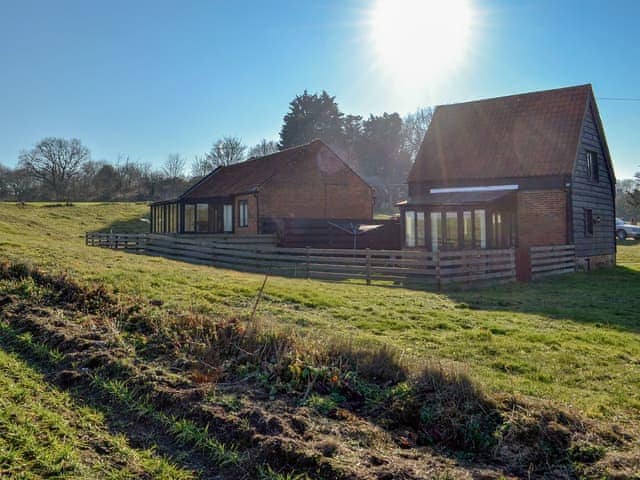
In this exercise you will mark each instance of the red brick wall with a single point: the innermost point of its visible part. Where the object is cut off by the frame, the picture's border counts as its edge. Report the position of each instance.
(318, 186)
(252, 204)
(542, 217)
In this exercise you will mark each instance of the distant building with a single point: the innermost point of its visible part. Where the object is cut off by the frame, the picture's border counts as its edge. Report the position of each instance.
(517, 171)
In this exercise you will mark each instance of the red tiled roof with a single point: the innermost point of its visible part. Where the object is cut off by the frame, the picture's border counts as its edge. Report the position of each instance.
(531, 134)
(247, 176)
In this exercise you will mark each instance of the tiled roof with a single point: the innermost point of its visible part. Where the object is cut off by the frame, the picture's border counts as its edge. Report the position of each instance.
(247, 176)
(531, 134)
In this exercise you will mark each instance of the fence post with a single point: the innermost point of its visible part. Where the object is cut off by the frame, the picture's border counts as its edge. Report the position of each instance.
(368, 267)
(308, 266)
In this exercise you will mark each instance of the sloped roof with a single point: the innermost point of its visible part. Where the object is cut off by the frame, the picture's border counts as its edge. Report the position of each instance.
(248, 176)
(531, 134)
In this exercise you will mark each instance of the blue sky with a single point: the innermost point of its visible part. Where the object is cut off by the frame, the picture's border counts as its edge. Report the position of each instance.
(147, 79)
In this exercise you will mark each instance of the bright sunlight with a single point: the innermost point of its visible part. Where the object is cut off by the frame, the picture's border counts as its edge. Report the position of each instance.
(420, 41)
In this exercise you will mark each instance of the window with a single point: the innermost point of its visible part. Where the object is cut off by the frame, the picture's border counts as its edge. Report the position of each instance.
(592, 166)
(228, 218)
(420, 229)
(451, 237)
(202, 217)
(588, 222)
(480, 229)
(436, 231)
(414, 228)
(189, 218)
(243, 213)
(496, 224)
(409, 228)
(467, 230)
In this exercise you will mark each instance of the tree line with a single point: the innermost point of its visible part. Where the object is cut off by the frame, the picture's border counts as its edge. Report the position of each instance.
(379, 147)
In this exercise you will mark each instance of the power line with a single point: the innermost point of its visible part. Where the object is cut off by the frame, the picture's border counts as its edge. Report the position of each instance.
(620, 99)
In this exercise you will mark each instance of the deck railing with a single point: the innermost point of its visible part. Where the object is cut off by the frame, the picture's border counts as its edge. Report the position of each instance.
(261, 255)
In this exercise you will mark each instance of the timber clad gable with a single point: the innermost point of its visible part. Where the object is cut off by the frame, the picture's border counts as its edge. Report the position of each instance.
(595, 195)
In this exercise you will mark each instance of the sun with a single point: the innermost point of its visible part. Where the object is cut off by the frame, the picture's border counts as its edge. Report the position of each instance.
(420, 41)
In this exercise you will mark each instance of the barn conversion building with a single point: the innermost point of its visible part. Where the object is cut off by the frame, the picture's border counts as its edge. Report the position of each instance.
(306, 182)
(518, 171)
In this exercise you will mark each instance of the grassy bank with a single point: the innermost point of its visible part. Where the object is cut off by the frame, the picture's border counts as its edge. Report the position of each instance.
(569, 340)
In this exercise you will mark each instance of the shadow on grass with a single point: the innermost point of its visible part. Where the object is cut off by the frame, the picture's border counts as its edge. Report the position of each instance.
(608, 297)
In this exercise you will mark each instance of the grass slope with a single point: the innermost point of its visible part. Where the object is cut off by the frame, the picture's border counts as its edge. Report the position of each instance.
(44, 433)
(571, 340)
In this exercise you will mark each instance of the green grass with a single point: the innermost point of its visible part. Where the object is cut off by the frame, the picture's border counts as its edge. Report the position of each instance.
(572, 340)
(45, 434)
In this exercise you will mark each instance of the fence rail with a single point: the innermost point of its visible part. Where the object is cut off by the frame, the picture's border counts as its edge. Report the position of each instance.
(366, 264)
(552, 260)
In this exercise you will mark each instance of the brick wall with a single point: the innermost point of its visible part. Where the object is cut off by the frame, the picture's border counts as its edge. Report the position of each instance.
(319, 186)
(252, 204)
(542, 217)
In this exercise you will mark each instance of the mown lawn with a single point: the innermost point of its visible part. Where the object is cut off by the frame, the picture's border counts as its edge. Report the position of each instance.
(572, 340)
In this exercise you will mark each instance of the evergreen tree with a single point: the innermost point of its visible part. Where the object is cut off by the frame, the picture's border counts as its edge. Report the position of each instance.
(312, 116)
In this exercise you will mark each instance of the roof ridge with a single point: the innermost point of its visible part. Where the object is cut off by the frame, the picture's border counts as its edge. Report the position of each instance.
(523, 94)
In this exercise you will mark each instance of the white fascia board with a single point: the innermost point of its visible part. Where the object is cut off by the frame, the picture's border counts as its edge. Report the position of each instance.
(486, 188)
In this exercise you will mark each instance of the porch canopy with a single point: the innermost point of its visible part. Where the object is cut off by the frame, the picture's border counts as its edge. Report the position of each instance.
(458, 220)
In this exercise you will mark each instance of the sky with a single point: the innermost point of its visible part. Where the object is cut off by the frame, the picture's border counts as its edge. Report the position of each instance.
(146, 79)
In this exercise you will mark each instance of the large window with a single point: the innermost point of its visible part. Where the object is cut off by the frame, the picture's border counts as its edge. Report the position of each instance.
(451, 236)
(467, 229)
(189, 218)
(202, 217)
(496, 224)
(436, 231)
(414, 228)
(592, 165)
(243, 213)
(409, 228)
(480, 229)
(228, 218)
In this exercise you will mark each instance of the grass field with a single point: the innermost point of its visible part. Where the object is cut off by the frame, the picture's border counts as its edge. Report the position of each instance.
(571, 340)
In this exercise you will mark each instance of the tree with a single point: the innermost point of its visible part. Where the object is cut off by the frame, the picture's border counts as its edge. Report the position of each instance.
(312, 116)
(414, 128)
(200, 166)
(21, 185)
(265, 147)
(226, 151)
(55, 162)
(174, 166)
(5, 175)
(632, 194)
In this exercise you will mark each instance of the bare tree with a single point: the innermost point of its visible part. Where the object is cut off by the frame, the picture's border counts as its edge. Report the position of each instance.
(55, 162)
(174, 166)
(414, 127)
(226, 151)
(200, 166)
(21, 185)
(265, 147)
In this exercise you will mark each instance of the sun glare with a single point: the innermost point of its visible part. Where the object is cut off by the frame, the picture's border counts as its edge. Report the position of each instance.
(420, 41)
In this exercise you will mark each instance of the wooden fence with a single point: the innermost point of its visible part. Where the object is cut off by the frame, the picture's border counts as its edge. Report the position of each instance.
(552, 260)
(400, 266)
